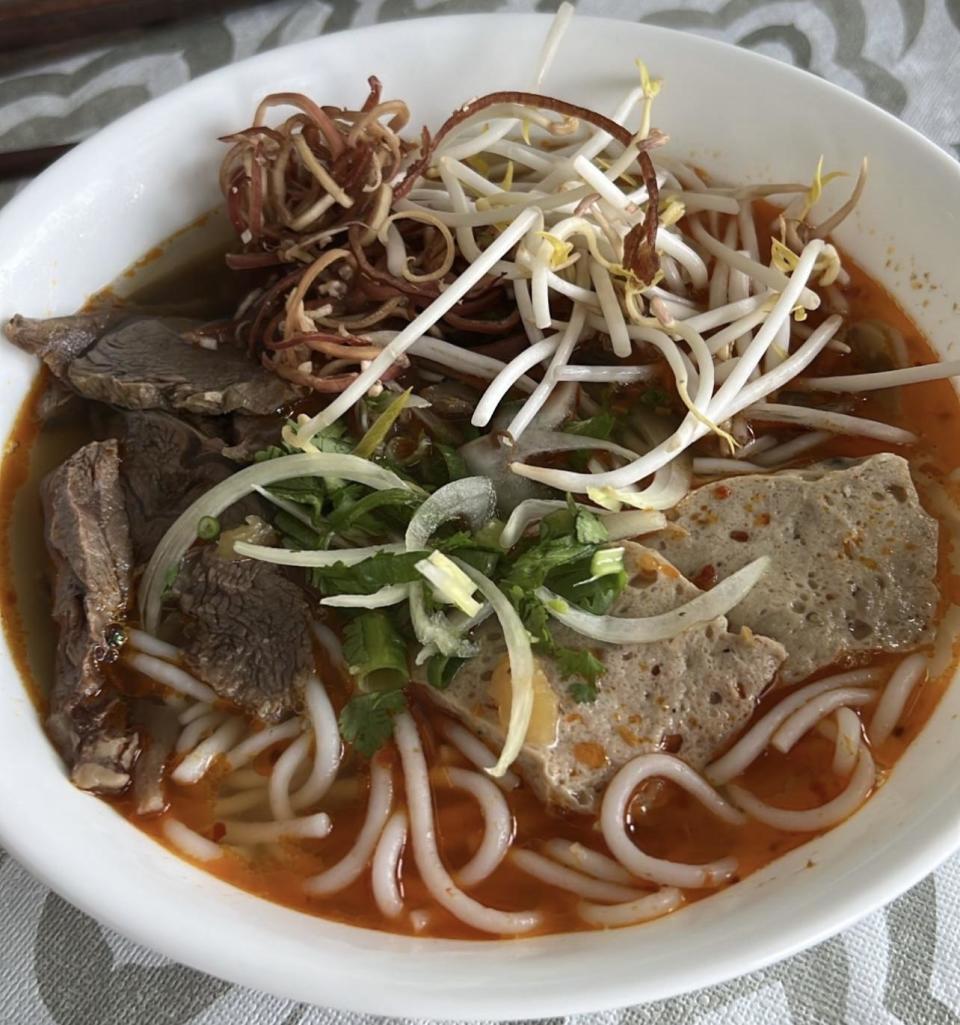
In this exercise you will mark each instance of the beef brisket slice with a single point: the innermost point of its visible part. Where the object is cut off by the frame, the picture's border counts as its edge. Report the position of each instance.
(688, 695)
(246, 632)
(854, 557)
(89, 544)
(138, 362)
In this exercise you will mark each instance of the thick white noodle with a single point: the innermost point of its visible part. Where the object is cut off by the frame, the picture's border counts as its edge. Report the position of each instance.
(170, 676)
(752, 744)
(565, 878)
(195, 731)
(283, 772)
(196, 765)
(423, 838)
(189, 842)
(151, 645)
(352, 864)
(894, 698)
(194, 711)
(254, 745)
(848, 740)
(328, 748)
(808, 715)
(240, 802)
(310, 827)
(330, 643)
(613, 813)
(813, 819)
(611, 916)
(243, 779)
(590, 862)
(497, 820)
(476, 752)
(385, 870)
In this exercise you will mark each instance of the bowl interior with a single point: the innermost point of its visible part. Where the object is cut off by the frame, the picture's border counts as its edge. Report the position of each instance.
(739, 115)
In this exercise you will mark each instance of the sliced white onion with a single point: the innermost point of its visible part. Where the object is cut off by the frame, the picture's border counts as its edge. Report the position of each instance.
(189, 842)
(755, 740)
(183, 532)
(385, 870)
(613, 812)
(612, 916)
(352, 864)
(520, 656)
(472, 498)
(424, 840)
(893, 700)
(498, 822)
(627, 630)
(392, 594)
(476, 752)
(813, 819)
(326, 557)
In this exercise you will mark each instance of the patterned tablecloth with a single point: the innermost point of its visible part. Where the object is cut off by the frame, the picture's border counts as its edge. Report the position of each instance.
(901, 964)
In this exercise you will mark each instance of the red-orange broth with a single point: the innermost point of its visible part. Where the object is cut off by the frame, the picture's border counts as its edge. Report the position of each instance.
(675, 827)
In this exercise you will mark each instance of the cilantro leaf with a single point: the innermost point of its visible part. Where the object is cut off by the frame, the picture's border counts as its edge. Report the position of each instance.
(441, 669)
(654, 398)
(589, 527)
(369, 575)
(578, 662)
(583, 693)
(367, 719)
(599, 426)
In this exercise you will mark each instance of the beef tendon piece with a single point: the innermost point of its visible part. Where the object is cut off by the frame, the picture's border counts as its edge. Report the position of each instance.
(246, 632)
(89, 543)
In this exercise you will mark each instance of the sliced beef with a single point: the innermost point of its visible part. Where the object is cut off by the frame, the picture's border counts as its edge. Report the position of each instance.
(138, 362)
(168, 464)
(246, 632)
(89, 543)
(688, 696)
(854, 557)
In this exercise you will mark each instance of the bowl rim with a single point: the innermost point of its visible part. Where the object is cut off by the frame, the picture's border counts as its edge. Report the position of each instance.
(904, 862)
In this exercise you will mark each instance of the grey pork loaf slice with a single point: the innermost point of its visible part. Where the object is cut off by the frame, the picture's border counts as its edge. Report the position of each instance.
(854, 557)
(688, 696)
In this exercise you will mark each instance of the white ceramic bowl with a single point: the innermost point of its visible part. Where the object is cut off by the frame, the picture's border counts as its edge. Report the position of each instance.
(102, 206)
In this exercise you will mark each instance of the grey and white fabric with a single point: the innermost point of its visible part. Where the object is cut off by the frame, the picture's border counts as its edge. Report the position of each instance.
(902, 964)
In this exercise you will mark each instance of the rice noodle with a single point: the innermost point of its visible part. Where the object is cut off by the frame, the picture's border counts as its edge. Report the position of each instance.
(812, 819)
(310, 827)
(151, 645)
(241, 802)
(352, 864)
(613, 812)
(753, 742)
(498, 822)
(330, 643)
(328, 747)
(894, 698)
(590, 862)
(254, 745)
(197, 729)
(198, 763)
(610, 916)
(817, 708)
(385, 870)
(194, 712)
(848, 740)
(564, 878)
(170, 676)
(189, 842)
(284, 770)
(476, 752)
(423, 837)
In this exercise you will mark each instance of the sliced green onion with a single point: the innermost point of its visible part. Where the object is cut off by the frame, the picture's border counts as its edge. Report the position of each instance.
(208, 529)
(375, 653)
(449, 582)
(380, 428)
(606, 562)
